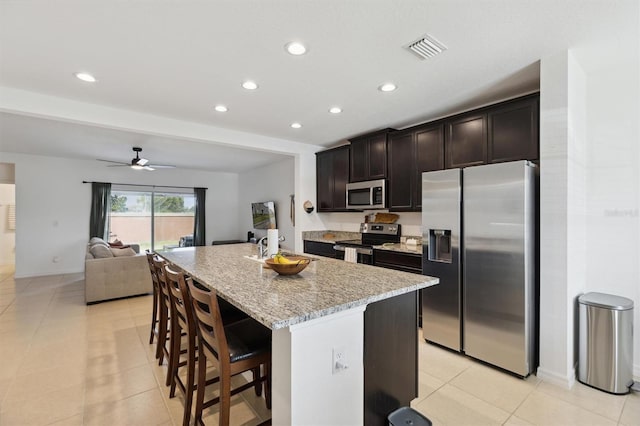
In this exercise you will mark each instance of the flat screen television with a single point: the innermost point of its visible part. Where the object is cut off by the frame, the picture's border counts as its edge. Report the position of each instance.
(264, 215)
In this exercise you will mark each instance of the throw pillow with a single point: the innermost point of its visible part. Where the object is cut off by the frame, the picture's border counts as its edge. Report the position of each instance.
(99, 251)
(119, 252)
(118, 245)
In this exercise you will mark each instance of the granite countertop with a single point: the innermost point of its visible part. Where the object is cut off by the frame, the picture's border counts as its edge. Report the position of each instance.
(333, 236)
(330, 236)
(325, 287)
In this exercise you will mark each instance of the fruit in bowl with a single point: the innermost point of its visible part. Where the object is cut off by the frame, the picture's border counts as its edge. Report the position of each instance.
(289, 265)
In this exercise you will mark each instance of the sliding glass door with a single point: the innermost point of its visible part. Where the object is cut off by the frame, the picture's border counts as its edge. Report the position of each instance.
(153, 219)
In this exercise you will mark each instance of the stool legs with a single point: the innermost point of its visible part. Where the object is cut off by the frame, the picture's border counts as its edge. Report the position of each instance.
(154, 315)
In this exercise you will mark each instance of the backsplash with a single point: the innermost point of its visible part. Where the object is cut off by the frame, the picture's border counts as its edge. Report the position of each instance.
(411, 222)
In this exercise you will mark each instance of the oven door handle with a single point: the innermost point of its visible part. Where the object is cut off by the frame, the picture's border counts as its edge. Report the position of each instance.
(359, 250)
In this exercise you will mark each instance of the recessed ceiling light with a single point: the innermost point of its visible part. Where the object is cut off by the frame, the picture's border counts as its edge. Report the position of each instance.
(85, 76)
(295, 48)
(387, 87)
(221, 108)
(335, 110)
(250, 85)
(296, 125)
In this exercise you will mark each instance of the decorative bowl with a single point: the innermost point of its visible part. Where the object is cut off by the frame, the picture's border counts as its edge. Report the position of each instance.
(301, 262)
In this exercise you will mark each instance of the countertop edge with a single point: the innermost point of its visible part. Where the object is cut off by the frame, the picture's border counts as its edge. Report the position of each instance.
(345, 306)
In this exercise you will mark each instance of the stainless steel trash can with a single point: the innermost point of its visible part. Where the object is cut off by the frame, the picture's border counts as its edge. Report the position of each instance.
(605, 346)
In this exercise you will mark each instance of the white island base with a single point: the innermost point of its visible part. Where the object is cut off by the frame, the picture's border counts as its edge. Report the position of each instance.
(305, 390)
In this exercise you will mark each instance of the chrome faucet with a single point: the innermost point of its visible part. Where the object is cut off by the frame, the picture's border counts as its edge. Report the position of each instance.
(263, 246)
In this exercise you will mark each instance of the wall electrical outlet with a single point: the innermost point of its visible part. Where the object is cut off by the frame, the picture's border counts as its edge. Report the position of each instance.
(339, 360)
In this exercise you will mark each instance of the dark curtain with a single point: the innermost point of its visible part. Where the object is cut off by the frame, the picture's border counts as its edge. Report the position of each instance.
(100, 206)
(199, 226)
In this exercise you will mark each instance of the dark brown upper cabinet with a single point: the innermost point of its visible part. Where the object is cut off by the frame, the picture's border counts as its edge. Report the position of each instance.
(369, 157)
(513, 131)
(332, 176)
(401, 183)
(466, 141)
(411, 152)
(429, 155)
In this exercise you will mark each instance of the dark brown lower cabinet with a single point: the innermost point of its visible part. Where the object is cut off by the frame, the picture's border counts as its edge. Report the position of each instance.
(390, 356)
(407, 262)
(319, 249)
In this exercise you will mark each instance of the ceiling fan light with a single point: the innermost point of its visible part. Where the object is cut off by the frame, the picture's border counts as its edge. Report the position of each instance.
(137, 167)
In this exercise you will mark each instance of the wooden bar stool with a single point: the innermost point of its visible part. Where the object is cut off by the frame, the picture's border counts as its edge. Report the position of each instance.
(156, 293)
(242, 346)
(182, 321)
(164, 328)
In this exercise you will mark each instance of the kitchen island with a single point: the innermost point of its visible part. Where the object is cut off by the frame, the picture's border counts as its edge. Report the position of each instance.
(314, 316)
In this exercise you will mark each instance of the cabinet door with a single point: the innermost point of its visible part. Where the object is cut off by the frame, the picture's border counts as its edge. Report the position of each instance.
(319, 249)
(401, 171)
(407, 262)
(466, 142)
(513, 132)
(324, 181)
(340, 178)
(377, 157)
(359, 160)
(429, 145)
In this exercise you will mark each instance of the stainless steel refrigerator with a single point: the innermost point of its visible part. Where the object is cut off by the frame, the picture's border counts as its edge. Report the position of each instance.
(478, 227)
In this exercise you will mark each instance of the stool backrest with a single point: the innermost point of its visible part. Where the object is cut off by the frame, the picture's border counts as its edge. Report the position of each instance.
(152, 269)
(159, 264)
(180, 299)
(209, 320)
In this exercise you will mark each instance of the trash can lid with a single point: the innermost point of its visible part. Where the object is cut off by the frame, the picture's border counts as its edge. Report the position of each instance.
(608, 301)
(405, 416)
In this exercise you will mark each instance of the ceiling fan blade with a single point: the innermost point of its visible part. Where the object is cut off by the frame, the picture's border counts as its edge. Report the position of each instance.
(161, 166)
(142, 162)
(148, 168)
(119, 165)
(114, 162)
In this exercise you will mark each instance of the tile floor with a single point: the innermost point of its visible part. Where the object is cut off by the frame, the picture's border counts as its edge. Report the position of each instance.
(100, 370)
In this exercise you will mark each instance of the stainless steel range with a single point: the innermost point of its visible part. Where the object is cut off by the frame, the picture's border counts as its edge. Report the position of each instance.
(373, 234)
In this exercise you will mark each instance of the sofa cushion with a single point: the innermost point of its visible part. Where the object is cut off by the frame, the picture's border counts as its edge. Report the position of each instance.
(124, 251)
(100, 251)
(96, 240)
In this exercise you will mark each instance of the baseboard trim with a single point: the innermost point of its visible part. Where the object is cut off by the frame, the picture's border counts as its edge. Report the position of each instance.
(566, 381)
(47, 274)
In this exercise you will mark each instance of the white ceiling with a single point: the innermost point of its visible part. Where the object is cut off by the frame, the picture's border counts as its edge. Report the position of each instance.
(179, 59)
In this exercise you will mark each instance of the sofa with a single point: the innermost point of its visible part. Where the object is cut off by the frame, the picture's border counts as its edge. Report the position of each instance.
(114, 271)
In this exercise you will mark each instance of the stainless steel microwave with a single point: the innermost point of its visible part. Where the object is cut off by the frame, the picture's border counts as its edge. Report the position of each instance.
(366, 195)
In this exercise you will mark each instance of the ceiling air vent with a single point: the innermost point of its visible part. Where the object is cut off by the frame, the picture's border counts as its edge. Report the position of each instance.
(426, 47)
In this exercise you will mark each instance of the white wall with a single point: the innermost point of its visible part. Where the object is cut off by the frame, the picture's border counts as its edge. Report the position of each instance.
(590, 195)
(53, 205)
(613, 181)
(274, 182)
(7, 236)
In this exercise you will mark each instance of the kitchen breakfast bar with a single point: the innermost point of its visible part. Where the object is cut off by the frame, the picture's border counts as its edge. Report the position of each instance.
(364, 315)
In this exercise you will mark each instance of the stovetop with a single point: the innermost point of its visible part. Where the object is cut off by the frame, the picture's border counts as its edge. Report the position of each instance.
(374, 234)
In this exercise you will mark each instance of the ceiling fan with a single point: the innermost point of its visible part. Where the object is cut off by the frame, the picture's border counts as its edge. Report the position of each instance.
(138, 163)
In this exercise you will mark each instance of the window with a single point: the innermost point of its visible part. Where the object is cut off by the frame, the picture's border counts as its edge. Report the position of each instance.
(153, 219)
